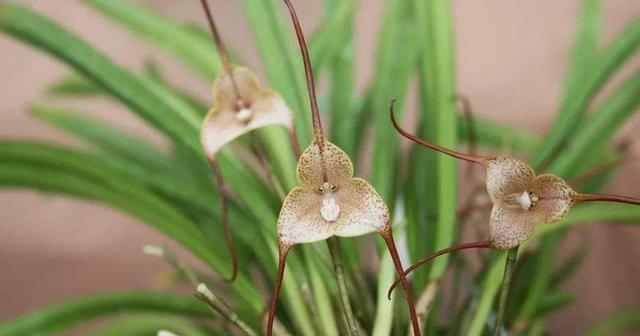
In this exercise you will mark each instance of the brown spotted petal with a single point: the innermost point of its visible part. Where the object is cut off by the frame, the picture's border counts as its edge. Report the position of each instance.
(555, 198)
(300, 220)
(360, 210)
(509, 226)
(337, 165)
(506, 176)
(225, 121)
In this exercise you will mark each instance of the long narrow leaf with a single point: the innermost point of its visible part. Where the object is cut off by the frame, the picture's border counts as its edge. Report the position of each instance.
(63, 316)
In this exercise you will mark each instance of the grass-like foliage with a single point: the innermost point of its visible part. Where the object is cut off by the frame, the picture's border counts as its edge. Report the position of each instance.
(238, 219)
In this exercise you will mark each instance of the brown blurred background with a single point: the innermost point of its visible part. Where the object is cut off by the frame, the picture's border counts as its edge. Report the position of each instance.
(512, 56)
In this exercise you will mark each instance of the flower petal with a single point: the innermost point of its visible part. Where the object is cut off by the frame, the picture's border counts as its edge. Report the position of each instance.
(223, 123)
(300, 220)
(507, 176)
(363, 210)
(509, 227)
(246, 82)
(555, 198)
(334, 161)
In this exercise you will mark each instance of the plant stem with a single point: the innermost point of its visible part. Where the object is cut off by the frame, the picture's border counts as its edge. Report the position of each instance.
(504, 292)
(216, 304)
(334, 249)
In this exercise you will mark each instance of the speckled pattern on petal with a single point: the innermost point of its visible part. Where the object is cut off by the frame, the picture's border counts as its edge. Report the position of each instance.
(555, 198)
(509, 227)
(507, 176)
(300, 220)
(338, 164)
(363, 212)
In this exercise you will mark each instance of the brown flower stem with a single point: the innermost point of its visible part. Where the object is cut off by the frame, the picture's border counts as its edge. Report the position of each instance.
(391, 245)
(334, 249)
(458, 155)
(504, 292)
(465, 246)
(607, 198)
(225, 220)
(216, 304)
(425, 301)
(315, 114)
(224, 56)
(284, 250)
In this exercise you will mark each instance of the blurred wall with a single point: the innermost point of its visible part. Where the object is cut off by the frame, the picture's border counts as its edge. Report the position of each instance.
(511, 55)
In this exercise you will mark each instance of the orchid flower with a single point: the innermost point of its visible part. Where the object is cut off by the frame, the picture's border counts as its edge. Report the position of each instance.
(329, 201)
(241, 105)
(520, 199)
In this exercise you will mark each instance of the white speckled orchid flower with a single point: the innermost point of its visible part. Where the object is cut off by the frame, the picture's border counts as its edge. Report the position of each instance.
(521, 199)
(329, 201)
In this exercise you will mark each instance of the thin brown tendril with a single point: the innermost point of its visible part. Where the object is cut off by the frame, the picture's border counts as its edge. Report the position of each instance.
(226, 61)
(225, 220)
(284, 250)
(315, 114)
(388, 239)
(462, 156)
(465, 246)
(607, 198)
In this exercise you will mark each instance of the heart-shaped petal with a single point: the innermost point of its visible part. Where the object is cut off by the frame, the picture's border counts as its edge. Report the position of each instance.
(333, 162)
(554, 198)
(507, 176)
(509, 227)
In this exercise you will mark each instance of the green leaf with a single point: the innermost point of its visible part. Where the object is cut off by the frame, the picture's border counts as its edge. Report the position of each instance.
(441, 57)
(106, 137)
(328, 41)
(495, 135)
(32, 28)
(150, 324)
(198, 53)
(599, 128)
(63, 316)
(281, 59)
(73, 85)
(625, 320)
(568, 121)
(393, 72)
(61, 170)
(585, 51)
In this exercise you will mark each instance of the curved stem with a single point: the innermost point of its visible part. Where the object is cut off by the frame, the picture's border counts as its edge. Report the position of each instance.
(315, 114)
(458, 155)
(465, 246)
(284, 250)
(225, 220)
(226, 61)
(334, 249)
(607, 198)
(504, 292)
(391, 245)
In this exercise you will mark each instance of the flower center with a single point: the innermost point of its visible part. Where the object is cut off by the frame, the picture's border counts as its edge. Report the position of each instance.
(243, 112)
(330, 210)
(526, 200)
